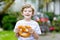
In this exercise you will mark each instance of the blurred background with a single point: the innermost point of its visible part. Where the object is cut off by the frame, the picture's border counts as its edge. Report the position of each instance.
(47, 14)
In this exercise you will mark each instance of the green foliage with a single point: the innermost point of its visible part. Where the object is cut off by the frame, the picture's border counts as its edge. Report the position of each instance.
(9, 19)
(56, 24)
(19, 15)
(8, 22)
(41, 6)
(50, 15)
(33, 1)
(39, 22)
(8, 26)
(7, 1)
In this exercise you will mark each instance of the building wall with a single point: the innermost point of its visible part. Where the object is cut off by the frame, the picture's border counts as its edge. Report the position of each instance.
(2, 4)
(53, 7)
(18, 4)
(57, 3)
(59, 6)
(34, 3)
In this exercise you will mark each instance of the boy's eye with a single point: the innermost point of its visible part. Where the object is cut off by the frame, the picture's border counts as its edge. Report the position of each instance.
(29, 11)
(25, 11)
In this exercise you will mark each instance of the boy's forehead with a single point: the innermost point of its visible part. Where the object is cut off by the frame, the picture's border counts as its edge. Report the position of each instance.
(27, 8)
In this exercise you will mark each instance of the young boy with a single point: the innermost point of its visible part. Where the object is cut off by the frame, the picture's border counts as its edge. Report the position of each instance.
(28, 11)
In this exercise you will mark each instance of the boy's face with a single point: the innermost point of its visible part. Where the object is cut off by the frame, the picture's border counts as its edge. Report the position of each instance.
(27, 13)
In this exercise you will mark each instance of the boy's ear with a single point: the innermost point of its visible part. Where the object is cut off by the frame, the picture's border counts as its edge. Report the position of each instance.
(32, 14)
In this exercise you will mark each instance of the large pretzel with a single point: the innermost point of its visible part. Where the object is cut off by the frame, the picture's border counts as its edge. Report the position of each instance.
(24, 31)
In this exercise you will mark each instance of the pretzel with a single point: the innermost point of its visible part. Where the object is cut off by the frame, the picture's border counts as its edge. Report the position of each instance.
(24, 31)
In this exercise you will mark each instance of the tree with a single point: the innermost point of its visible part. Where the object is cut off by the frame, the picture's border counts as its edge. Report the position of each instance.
(8, 4)
(46, 2)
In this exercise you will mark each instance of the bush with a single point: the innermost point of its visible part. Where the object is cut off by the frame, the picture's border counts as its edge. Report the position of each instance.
(8, 26)
(56, 24)
(9, 19)
(50, 15)
(8, 22)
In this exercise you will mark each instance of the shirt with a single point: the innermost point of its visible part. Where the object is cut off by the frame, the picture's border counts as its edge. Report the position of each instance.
(33, 24)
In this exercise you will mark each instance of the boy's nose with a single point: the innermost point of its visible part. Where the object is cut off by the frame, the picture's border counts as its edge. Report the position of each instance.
(27, 12)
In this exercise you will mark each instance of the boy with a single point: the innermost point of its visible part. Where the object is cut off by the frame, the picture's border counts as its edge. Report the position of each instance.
(28, 11)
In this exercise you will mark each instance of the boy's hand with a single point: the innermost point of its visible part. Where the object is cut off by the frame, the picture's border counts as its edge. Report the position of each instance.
(31, 30)
(17, 34)
(36, 36)
(17, 30)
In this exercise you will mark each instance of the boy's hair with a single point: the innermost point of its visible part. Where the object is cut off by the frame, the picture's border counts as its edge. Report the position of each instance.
(27, 6)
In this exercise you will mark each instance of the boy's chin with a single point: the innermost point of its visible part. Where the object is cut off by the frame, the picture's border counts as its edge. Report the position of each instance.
(27, 17)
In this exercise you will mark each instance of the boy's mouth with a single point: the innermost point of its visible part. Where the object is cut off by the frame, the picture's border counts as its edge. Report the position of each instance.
(27, 15)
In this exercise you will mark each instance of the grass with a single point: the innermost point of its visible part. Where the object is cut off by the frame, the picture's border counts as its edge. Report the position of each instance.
(7, 35)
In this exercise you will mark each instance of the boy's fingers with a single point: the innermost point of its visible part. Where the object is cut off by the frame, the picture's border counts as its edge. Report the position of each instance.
(31, 30)
(17, 30)
(17, 34)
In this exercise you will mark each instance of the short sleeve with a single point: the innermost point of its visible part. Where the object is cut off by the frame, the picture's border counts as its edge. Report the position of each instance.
(16, 26)
(37, 29)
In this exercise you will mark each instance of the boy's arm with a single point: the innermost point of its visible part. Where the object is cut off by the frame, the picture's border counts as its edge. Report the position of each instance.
(36, 36)
(36, 32)
(16, 32)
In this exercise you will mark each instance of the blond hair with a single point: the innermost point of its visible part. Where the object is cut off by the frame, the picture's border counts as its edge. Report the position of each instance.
(27, 6)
